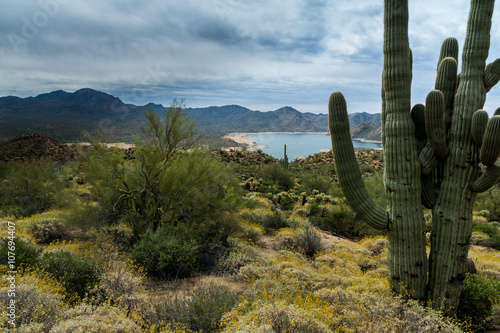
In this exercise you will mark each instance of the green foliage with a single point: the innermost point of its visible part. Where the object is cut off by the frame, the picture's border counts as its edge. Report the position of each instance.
(478, 297)
(310, 181)
(268, 218)
(170, 252)
(202, 311)
(47, 230)
(282, 177)
(29, 188)
(490, 229)
(490, 201)
(305, 239)
(26, 255)
(164, 184)
(77, 274)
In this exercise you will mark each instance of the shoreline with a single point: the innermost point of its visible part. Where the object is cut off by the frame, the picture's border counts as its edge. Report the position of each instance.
(242, 138)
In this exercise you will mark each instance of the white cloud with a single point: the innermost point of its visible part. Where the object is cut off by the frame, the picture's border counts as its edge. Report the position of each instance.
(220, 51)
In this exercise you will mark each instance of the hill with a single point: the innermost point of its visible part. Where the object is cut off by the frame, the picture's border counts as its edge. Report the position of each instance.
(33, 147)
(63, 116)
(367, 130)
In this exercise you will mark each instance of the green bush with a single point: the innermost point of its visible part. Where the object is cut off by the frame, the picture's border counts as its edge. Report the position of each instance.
(489, 201)
(282, 177)
(170, 252)
(478, 297)
(29, 188)
(77, 274)
(200, 312)
(315, 181)
(26, 255)
(306, 239)
(490, 229)
(268, 218)
(193, 188)
(47, 230)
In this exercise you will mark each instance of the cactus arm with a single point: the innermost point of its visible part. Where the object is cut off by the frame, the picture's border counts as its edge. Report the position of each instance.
(497, 112)
(428, 160)
(489, 178)
(446, 82)
(490, 150)
(429, 191)
(435, 126)
(479, 122)
(492, 74)
(418, 117)
(347, 167)
(449, 48)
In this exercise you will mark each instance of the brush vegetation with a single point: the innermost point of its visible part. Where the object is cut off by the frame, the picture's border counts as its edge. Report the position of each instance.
(171, 238)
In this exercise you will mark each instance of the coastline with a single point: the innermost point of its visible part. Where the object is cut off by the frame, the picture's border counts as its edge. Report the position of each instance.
(242, 138)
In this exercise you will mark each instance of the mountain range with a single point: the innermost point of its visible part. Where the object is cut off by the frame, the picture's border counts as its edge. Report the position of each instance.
(63, 116)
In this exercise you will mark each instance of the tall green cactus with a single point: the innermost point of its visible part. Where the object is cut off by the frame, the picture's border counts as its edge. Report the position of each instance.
(438, 156)
(284, 161)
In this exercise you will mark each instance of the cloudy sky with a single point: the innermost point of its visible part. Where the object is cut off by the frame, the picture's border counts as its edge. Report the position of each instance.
(261, 54)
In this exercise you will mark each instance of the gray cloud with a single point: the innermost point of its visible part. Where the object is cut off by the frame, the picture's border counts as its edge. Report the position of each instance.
(261, 54)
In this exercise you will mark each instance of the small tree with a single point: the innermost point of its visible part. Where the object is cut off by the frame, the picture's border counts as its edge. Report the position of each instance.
(164, 183)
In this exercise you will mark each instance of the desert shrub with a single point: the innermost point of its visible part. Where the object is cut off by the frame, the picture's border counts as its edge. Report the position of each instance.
(489, 201)
(367, 168)
(345, 223)
(282, 177)
(27, 255)
(39, 301)
(279, 317)
(493, 242)
(315, 181)
(164, 184)
(284, 200)
(493, 321)
(194, 188)
(305, 239)
(95, 319)
(490, 229)
(266, 217)
(170, 252)
(120, 285)
(238, 254)
(251, 232)
(202, 310)
(30, 188)
(478, 297)
(77, 274)
(122, 235)
(47, 230)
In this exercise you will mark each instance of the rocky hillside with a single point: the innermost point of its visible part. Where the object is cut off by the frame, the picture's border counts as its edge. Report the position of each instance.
(63, 116)
(367, 131)
(33, 147)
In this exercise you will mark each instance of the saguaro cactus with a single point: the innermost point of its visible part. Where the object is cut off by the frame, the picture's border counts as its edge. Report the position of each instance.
(438, 156)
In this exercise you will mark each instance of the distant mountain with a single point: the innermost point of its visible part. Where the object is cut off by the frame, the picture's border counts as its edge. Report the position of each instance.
(63, 116)
(367, 130)
(235, 118)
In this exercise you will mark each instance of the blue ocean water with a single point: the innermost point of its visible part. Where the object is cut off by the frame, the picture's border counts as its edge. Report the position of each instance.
(299, 144)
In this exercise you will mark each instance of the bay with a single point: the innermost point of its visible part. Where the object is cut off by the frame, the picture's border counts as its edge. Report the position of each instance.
(299, 144)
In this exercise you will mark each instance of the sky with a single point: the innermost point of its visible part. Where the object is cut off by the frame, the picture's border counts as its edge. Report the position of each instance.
(261, 54)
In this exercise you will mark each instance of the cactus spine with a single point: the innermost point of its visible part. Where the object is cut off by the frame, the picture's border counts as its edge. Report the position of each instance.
(441, 168)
